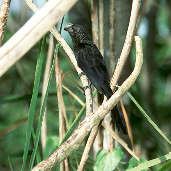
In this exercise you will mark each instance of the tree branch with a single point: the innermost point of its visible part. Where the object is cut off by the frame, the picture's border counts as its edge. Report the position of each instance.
(3, 17)
(127, 43)
(32, 31)
(93, 119)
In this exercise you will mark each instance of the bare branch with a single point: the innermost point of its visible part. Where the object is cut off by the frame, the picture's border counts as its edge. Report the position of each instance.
(44, 88)
(88, 146)
(32, 32)
(3, 17)
(101, 28)
(93, 119)
(74, 95)
(128, 42)
(128, 126)
(61, 105)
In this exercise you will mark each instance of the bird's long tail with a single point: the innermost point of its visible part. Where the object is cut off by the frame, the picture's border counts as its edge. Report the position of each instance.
(118, 119)
(117, 115)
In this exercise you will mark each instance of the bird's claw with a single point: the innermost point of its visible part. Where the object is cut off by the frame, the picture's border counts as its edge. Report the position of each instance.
(81, 74)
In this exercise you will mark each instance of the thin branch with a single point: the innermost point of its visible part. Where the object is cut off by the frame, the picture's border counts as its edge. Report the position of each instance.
(5, 4)
(61, 105)
(73, 95)
(44, 88)
(127, 43)
(111, 34)
(93, 119)
(128, 126)
(88, 146)
(101, 27)
(32, 31)
(94, 21)
(120, 141)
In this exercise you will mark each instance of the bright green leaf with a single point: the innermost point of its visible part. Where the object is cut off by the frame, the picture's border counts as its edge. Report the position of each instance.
(108, 160)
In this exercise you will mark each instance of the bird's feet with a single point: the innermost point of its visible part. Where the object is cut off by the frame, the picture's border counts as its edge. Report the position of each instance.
(86, 87)
(81, 74)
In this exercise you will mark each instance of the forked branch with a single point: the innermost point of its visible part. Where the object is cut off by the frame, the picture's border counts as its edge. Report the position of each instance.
(93, 119)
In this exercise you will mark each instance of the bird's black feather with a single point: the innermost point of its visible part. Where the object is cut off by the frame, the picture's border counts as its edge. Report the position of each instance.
(90, 60)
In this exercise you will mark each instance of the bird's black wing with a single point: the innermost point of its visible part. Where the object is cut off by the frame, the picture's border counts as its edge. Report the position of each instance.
(92, 63)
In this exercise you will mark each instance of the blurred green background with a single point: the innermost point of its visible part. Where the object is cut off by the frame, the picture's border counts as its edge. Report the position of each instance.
(152, 89)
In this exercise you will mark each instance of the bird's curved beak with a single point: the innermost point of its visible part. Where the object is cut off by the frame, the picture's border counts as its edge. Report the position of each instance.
(68, 27)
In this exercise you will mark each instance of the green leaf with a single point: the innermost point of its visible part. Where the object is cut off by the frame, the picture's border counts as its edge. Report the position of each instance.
(133, 163)
(108, 160)
(33, 102)
(42, 110)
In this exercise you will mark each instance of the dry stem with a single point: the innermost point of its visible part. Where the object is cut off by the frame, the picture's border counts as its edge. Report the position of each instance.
(73, 95)
(3, 17)
(87, 149)
(44, 88)
(128, 126)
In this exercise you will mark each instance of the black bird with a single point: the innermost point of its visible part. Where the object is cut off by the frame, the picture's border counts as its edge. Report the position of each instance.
(90, 60)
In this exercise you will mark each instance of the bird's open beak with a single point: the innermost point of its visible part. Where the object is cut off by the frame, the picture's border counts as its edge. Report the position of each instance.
(68, 26)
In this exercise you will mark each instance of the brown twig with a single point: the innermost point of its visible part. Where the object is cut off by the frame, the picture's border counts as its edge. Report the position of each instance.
(73, 95)
(5, 4)
(101, 27)
(111, 34)
(127, 43)
(94, 21)
(128, 126)
(93, 119)
(61, 106)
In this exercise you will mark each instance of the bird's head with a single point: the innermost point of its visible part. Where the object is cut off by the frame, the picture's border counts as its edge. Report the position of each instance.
(77, 32)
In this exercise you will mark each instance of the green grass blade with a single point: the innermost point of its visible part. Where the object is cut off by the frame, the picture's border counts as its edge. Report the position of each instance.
(38, 158)
(148, 118)
(10, 163)
(33, 102)
(151, 163)
(42, 111)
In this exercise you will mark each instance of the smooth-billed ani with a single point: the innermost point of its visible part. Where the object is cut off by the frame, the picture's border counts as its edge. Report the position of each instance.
(90, 60)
